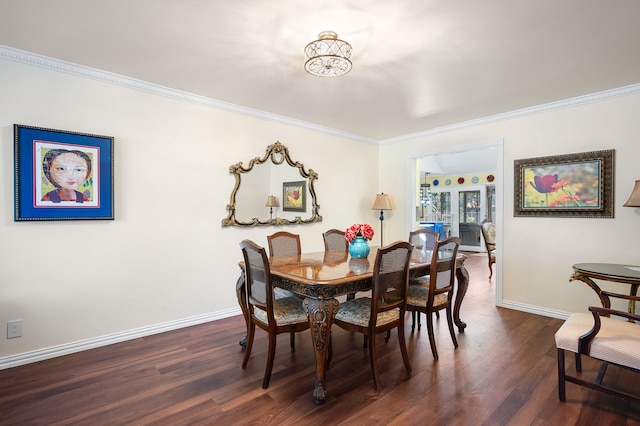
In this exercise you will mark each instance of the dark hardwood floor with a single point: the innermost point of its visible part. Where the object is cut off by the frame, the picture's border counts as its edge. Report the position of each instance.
(503, 372)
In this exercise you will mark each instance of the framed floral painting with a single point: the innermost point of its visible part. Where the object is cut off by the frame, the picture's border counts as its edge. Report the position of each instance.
(62, 175)
(294, 196)
(571, 185)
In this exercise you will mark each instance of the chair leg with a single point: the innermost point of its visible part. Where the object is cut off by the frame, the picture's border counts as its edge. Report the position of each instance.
(413, 320)
(403, 348)
(270, 357)
(450, 322)
(561, 376)
(432, 339)
(578, 363)
(373, 360)
(603, 369)
(292, 341)
(388, 336)
(251, 331)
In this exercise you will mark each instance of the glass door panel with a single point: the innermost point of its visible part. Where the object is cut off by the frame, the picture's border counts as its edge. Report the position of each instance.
(469, 203)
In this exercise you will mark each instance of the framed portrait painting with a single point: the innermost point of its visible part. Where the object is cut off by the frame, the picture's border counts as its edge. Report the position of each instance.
(572, 185)
(62, 175)
(294, 196)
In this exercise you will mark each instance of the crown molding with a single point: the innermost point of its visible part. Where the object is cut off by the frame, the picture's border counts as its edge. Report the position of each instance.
(41, 61)
(632, 89)
(131, 83)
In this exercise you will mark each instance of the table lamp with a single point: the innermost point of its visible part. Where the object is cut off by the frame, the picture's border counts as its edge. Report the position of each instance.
(634, 198)
(382, 203)
(272, 202)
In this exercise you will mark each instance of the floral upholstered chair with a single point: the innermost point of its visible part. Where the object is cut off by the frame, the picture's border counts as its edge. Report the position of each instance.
(284, 244)
(489, 235)
(385, 309)
(422, 240)
(273, 315)
(334, 240)
(438, 294)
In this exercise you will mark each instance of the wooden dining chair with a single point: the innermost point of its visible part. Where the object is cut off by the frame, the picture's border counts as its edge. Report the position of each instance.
(334, 240)
(488, 229)
(438, 294)
(423, 240)
(284, 244)
(385, 309)
(273, 315)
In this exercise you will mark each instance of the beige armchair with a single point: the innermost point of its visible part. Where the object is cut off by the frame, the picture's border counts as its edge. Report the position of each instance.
(601, 337)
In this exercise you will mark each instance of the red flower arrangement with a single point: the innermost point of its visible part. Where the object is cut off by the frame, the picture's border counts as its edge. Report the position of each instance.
(358, 230)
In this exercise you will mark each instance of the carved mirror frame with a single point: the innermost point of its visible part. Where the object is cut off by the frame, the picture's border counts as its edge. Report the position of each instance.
(278, 154)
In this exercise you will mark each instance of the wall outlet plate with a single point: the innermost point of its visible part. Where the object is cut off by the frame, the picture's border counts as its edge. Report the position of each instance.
(14, 329)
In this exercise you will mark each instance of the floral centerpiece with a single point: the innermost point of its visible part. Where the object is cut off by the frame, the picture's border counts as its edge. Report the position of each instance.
(357, 235)
(359, 230)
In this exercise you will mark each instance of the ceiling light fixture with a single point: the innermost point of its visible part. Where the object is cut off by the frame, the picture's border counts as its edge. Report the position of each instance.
(328, 56)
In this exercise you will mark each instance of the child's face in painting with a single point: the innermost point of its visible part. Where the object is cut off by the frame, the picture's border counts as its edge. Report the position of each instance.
(69, 170)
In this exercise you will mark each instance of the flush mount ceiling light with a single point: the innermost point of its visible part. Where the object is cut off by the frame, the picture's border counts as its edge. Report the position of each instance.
(328, 56)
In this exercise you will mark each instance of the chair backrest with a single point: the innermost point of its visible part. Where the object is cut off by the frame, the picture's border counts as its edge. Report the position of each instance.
(423, 239)
(334, 240)
(284, 244)
(489, 235)
(390, 279)
(257, 275)
(443, 267)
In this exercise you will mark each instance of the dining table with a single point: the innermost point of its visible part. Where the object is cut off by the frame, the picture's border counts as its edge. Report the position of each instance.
(321, 277)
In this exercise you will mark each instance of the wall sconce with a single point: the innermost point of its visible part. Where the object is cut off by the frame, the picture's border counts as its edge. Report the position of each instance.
(382, 203)
(272, 202)
(634, 198)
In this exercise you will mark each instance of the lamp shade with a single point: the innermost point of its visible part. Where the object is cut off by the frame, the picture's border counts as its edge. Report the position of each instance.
(634, 198)
(272, 201)
(382, 202)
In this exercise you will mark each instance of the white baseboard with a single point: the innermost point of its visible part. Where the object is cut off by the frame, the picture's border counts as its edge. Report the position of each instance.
(83, 345)
(532, 309)
(95, 342)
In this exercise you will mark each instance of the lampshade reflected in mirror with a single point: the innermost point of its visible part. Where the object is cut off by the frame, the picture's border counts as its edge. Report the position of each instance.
(272, 202)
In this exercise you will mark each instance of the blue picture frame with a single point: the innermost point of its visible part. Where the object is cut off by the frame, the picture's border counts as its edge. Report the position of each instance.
(43, 156)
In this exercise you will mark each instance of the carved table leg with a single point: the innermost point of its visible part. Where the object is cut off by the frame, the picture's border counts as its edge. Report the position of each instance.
(241, 294)
(321, 313)
(463, 284)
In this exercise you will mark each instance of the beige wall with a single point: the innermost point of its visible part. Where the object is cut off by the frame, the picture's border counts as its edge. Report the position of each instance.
(537, 253)
(165, 258)
(166, 261)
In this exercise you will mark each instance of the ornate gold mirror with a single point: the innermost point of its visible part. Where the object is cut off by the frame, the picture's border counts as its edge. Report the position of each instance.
(275, 191)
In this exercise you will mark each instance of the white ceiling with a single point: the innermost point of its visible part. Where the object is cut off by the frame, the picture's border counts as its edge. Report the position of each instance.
(417, 64)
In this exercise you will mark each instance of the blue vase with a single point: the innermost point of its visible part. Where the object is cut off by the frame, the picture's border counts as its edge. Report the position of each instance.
(359, 248)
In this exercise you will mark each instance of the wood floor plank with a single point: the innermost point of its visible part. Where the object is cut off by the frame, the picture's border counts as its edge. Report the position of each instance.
(503, 373)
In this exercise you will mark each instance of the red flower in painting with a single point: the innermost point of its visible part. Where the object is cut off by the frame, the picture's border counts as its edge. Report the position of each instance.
(358, 230)
(545, 184)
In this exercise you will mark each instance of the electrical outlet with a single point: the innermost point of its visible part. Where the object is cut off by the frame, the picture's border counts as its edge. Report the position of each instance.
(14, 329)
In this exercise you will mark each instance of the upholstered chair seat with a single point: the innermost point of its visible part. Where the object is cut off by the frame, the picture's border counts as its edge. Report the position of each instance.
(605, 334)
(286, 311)
(358, 311)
